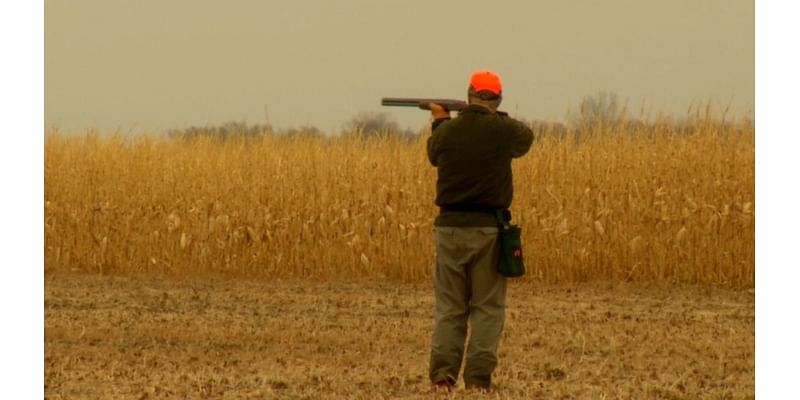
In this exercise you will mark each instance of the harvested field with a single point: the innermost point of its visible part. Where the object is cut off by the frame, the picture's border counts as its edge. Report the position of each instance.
(149, 337)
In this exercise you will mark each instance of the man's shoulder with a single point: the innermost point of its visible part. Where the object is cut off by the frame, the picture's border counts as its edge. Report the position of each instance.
(482, 112)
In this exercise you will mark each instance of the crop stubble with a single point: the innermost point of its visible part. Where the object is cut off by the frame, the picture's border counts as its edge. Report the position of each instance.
(154, 337)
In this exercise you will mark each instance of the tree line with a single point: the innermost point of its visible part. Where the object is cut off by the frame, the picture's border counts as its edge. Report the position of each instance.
(602, 112)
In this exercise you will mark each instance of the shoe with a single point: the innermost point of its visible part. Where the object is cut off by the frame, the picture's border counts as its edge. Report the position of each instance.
(447, 383)
(478, 387)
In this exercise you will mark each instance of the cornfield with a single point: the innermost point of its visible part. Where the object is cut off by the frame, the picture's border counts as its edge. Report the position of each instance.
(643, 203)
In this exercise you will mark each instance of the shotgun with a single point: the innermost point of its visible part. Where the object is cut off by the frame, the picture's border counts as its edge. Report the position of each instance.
(448, 104)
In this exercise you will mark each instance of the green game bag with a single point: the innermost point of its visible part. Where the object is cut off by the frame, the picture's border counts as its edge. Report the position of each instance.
(510, 263)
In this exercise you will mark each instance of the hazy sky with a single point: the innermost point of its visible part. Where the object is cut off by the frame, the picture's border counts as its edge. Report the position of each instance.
(147, 65)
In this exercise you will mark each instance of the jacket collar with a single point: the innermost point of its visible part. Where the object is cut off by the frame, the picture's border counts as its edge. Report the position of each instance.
(476, 108)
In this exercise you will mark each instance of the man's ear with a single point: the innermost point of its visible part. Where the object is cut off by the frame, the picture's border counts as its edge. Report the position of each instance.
(496, 102)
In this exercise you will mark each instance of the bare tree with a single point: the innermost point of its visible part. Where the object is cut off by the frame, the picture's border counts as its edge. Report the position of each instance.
(227, 130)
(366, 124)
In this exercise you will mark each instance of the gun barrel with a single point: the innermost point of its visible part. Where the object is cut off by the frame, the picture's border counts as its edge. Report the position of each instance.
(449, 104)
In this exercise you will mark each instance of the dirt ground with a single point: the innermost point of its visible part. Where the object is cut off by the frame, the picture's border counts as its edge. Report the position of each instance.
(150, 337)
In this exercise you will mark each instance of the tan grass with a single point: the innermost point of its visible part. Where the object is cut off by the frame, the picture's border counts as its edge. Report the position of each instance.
(651, 205)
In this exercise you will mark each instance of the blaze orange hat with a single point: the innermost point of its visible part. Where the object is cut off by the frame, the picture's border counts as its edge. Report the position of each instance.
(486, 80)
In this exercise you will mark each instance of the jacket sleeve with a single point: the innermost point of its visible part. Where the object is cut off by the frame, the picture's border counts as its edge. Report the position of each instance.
(432, 140)
(521, 138)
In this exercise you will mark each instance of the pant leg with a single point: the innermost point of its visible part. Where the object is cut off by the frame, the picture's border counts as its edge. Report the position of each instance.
(487, 308)
(450, 315)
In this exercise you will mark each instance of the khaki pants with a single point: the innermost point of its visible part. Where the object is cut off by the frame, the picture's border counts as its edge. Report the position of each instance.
(467, 286)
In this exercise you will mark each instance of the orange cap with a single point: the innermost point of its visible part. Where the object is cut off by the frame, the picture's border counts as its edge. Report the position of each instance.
(486, 80)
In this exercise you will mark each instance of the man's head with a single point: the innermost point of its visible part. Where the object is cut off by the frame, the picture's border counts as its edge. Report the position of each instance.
(485, 89)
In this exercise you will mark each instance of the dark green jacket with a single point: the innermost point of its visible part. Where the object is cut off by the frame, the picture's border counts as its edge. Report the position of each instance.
(473, 153)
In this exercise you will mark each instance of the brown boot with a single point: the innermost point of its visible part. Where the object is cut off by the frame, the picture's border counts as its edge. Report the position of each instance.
(478, 387)
(446, 383)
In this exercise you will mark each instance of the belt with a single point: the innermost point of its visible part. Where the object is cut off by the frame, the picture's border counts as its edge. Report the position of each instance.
(467, 208)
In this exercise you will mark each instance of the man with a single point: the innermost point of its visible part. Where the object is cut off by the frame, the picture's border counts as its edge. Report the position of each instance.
(472, 153)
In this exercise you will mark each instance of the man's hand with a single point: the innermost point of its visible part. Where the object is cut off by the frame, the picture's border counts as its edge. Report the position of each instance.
(438, 112)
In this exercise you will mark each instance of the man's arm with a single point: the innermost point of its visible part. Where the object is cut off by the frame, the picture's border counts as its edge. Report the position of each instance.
(521, 138)
(439, 115)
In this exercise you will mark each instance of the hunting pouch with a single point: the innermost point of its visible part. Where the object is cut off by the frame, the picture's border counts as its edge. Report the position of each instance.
(510, 263)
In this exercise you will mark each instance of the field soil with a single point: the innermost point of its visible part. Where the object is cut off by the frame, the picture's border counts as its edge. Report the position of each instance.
(153, 337)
